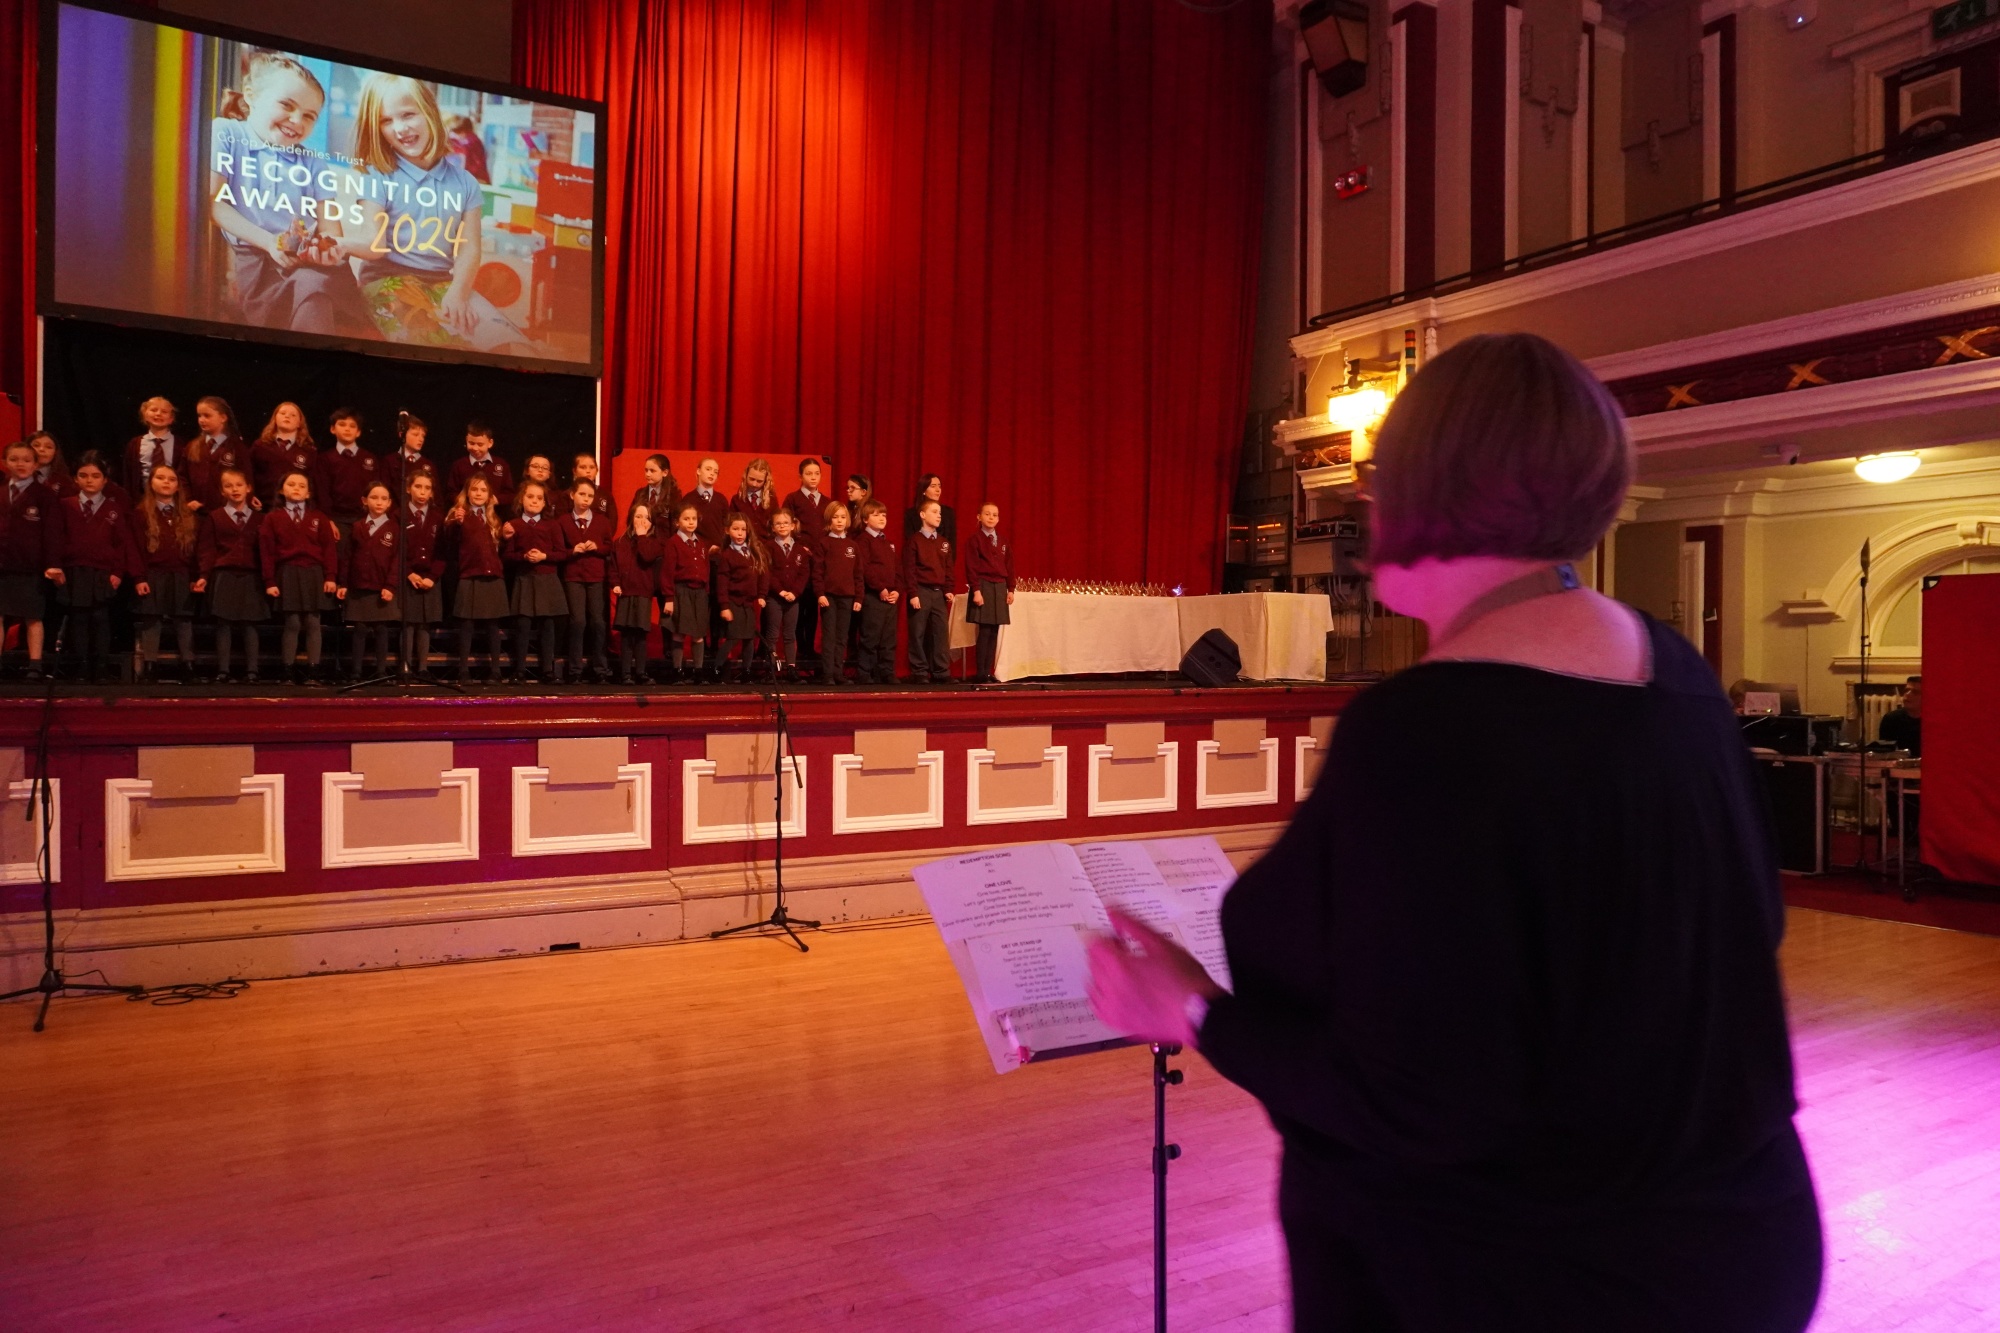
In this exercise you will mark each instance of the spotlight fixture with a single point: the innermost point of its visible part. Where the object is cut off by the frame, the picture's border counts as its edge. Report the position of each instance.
(1885, 468)
(1336, 37)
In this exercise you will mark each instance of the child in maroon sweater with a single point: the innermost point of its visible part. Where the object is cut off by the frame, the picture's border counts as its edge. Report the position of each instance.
(479, 461)
(481, 595)
(790, 575)
(301, 560)
(535, 550)
(90, 556)
(837, 575)
(165, 534)
(422, 594)
(928, 567)
(881, 585)
(368, 585)
(635, 573)
(684, 577)
(989, 575)
(588, 533)
(231, 565)
(741, 573)
(25, 520)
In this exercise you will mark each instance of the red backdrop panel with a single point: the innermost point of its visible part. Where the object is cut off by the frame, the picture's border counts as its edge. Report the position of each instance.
(1013, 242)
(1961, 811)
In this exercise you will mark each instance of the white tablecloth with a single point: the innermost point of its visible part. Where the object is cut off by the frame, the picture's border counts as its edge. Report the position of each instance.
(1282, 636)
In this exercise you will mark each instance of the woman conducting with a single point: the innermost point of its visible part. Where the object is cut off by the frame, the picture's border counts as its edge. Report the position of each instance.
(1508, 985)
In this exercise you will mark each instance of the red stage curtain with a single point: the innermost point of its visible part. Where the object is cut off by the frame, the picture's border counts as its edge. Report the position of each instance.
(1010, 241)
(19, 24)
(1961, 816)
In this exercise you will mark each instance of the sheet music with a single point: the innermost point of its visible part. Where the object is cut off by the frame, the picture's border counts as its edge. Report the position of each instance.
(1007, 889)
(1017, 921)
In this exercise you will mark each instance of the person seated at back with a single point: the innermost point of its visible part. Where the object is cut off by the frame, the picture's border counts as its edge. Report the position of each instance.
(1903, 726)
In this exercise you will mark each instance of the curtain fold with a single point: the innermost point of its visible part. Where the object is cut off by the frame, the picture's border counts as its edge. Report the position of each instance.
(1010, 241)
(19, 29)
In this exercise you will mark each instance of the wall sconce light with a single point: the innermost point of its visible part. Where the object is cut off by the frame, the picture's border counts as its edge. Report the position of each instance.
(1336, 37)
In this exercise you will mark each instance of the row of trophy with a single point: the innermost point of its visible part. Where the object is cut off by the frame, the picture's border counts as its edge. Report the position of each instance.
(1095, 588)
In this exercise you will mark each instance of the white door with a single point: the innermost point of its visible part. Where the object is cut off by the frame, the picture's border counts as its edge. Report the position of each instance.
(1688, 606)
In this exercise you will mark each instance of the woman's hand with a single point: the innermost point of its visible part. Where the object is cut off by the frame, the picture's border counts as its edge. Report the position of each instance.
(455, 309)
(1140, 982)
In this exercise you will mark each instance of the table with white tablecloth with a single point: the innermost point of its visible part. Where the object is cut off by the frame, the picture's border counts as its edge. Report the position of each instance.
(1282, 636)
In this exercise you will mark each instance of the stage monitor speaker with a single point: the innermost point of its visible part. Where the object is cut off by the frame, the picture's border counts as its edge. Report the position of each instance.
(1213, 660)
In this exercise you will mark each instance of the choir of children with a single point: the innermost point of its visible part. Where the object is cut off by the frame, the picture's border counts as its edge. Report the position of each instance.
(210, 527)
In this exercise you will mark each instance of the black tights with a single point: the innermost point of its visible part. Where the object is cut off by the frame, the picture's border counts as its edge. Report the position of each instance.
(495, 661)
(288, 639)
(680, 644)
(417, 648)
(223, 632)
(988, 648)
(89, 635)
(359, 634)
(525, 628)
(149, 640)
(631, 652)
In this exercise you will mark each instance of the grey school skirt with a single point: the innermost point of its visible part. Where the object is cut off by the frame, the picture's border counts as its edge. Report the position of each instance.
(420, 606)
(994, 612)
(236, 596)
(690, 612)
(632, 613)
(366, 607)
(168, 596)
(301, 589)
(480, 598)
(539, 592)
(743, 625)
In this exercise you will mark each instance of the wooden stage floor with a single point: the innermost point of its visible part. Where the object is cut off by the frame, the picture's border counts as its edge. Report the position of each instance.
(732, 1136)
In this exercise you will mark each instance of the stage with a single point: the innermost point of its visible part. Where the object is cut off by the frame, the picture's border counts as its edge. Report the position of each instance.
(209, 833)
(731, 1136)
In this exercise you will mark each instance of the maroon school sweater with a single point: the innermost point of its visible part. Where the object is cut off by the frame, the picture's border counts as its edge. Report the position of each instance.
(987, 561)
(837, 568)
(341, 482)
(791, 571)
(738, 581)
(284, 540)
(635, 565)
(590, 566)
(25, 521)
(684, 562)
(880, 569)
(373, 561)
(927, 562)
(423, 542)
(478, 552)
(227, 544)
(102, 540)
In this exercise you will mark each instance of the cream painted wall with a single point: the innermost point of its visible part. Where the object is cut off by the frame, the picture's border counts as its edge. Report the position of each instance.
(1794, 103)
(1774, 558)
(1454, 137)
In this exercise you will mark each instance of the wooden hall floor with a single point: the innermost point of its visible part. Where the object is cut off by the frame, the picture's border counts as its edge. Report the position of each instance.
(732, 1136)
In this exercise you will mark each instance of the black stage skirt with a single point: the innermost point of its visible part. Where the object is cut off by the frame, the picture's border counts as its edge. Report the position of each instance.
(21, 596)
(168, 595)
(236, 595)
(539, 592)
(364, 606)
(84, 589)
(632, 613)
(690, 612)
(481, 598)
(995, 610)
(301, 591)
(420, 606)
(743, 625)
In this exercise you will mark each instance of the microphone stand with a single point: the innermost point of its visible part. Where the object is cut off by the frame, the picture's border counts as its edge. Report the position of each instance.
(780, 918)
(53, 982)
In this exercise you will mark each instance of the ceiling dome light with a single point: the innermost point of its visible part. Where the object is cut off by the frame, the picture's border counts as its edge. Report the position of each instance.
(1885, 468)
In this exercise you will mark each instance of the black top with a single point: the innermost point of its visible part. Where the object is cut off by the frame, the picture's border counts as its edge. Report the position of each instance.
(1903, 731)
(1515, 958)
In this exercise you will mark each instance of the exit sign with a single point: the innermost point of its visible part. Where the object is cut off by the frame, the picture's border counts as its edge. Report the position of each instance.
(1955, 20)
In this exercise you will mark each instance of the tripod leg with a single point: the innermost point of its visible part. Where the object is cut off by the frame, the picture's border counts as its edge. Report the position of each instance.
(42, 1015)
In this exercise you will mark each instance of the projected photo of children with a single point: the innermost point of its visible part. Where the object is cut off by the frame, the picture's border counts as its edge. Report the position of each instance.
(352, 205)
(307, 195)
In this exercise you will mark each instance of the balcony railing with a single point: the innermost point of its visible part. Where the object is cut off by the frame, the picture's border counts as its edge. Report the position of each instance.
(1741, 201)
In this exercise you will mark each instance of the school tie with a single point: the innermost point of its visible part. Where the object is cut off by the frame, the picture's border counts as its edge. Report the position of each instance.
(242, 517)
(298, 513)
